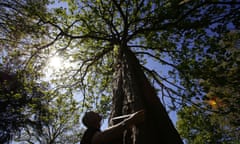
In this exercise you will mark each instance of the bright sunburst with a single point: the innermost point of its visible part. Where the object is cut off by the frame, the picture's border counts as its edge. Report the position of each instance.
(56, 65)
(55, 62)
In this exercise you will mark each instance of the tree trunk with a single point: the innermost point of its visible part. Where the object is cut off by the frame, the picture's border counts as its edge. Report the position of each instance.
(131, 92)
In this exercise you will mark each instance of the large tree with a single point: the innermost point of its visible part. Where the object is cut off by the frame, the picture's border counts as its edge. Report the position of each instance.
(108, 33)
(102, 37)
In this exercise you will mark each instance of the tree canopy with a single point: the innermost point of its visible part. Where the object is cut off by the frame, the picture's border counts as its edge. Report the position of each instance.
(177, 43)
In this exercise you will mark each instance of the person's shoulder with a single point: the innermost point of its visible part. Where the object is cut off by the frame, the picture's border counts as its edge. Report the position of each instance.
(89, 134)
(97, 138)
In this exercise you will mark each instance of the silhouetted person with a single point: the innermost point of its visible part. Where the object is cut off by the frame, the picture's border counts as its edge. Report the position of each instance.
(93, 134)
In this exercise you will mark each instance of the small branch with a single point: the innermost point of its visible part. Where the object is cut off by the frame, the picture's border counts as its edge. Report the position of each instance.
(160, 60)
(152, 48)
(158, 79)
(224, 2)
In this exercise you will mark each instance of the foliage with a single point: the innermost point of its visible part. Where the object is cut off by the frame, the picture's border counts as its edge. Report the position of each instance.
(197, 126)
(21, 102)
(21, 93)
(31, 113)
(28, 107)
(19, 18)
(60, 125)
(218, 80)
(92, 33)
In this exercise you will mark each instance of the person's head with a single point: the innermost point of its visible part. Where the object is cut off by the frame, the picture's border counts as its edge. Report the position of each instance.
(92, 120)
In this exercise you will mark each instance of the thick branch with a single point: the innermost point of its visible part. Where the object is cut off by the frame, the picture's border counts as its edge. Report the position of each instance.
(109, 21)
(119, 9)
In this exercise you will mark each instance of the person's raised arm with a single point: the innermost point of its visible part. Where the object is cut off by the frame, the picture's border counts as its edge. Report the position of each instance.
(116, 130)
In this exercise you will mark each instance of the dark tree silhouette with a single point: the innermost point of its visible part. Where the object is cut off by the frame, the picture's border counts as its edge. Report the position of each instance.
(20, 104)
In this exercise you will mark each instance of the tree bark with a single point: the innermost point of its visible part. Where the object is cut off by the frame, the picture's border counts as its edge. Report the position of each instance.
(132, 91)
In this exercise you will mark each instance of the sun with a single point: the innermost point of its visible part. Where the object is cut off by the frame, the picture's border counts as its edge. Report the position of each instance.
(56, 65)
(55, 62)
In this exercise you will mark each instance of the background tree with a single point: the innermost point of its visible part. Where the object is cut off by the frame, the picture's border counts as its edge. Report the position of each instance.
(29, 112)
(21, 93)
(18, 20)
(197, 126)
(217, 75)
(60, 126)
(21, 102)
(21, 32)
